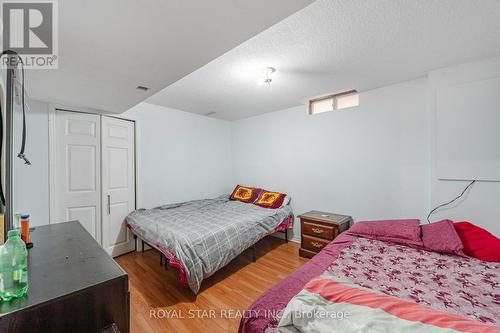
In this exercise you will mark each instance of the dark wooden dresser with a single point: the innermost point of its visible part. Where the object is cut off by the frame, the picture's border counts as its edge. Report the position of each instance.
(320, 228)
(74, 286)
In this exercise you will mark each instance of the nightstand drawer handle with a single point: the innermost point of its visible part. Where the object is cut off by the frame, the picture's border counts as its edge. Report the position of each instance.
(318, 230)
(317, 245)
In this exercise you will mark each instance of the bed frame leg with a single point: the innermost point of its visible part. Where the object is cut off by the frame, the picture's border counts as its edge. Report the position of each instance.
(135, 243)
(253, 253)
(162, 256)
(286, 236)
(142, 245)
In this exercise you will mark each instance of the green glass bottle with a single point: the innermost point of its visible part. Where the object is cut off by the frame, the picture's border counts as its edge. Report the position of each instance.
(13, 267)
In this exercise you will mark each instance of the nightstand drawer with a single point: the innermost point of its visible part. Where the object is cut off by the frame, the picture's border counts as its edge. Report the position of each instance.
(313, 243)
(317, 230)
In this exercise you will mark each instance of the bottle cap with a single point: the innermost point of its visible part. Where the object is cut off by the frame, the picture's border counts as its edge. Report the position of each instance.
(13, 233)
(25, 216)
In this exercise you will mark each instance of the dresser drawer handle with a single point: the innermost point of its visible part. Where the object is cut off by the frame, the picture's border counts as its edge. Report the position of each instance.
(317, 245)
(317, 230)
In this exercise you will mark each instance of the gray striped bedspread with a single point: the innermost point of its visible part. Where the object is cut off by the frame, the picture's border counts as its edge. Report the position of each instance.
(205, 235)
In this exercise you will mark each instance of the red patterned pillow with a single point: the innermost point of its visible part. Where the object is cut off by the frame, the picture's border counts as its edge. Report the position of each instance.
(478, 242)
(269, 199)
(442, 237)
(397, 231)
(245, 194)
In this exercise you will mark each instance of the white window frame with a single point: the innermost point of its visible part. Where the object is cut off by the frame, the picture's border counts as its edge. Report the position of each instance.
(333, 97)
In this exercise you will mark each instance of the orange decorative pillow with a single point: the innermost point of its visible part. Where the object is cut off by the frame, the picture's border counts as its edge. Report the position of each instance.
(245, 194)
(268, 199)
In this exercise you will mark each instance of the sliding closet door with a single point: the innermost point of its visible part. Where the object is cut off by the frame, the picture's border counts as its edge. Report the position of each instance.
(118, 183)
(77, 185)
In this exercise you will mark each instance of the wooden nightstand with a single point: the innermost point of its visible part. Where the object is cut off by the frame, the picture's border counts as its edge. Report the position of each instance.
(320, 228)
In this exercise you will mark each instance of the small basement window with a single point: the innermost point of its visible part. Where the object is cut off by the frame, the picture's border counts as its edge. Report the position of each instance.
(338, 101)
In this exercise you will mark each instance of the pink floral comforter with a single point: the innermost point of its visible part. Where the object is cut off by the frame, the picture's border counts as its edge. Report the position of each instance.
(459, 285)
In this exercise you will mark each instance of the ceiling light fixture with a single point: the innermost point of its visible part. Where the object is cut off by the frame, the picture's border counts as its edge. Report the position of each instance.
(268, 73)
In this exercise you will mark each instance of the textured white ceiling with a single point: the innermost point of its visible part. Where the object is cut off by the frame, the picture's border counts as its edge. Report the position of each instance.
(107, 48)
(335, 45)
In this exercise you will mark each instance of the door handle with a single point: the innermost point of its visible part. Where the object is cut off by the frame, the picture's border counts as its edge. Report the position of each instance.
(109, 204)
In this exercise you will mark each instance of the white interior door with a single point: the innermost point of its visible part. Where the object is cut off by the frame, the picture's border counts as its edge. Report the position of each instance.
(118, 183)
(77, 181)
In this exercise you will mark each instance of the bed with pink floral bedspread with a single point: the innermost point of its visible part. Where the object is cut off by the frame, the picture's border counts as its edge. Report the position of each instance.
(459, 286)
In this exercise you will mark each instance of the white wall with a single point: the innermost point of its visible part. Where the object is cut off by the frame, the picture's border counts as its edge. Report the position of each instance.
(183, 156)
(370, 162)
(482, 204)
(31, 185)
(374, 161)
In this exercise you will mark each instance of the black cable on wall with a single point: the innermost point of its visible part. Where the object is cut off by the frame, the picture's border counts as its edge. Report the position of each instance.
(450, 202)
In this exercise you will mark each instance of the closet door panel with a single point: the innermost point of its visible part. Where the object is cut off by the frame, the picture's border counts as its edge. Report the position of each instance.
(118, 183)
(77, 194)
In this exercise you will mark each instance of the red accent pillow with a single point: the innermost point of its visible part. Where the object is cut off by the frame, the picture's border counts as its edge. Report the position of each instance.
(442, 237)
(269, 199)
(478, 242)
(245, 194)
(397, 231)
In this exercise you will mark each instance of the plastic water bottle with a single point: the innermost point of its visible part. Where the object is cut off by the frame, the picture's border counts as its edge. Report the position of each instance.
(13, 267)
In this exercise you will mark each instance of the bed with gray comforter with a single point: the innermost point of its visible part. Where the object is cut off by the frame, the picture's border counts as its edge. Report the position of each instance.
(205, 235)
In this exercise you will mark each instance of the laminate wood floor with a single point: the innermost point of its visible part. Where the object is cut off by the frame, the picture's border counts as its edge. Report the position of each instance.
(158, 304)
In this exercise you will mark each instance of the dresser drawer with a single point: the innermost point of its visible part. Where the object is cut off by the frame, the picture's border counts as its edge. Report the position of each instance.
(317, 230)
(313, 243)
